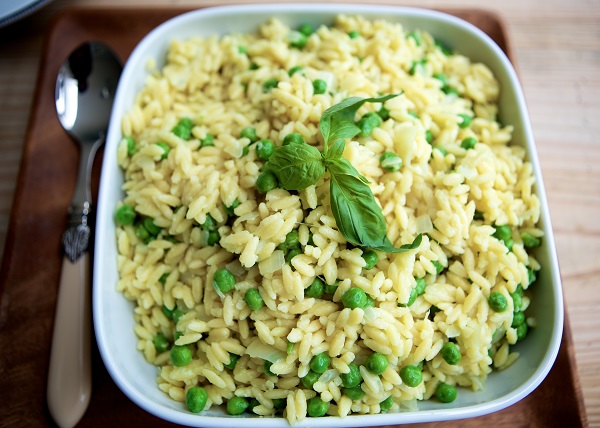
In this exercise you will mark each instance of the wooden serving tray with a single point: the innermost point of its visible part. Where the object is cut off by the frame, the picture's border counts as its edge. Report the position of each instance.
(31, 265)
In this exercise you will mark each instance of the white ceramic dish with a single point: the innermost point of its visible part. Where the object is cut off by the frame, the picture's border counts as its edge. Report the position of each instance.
(113, 318)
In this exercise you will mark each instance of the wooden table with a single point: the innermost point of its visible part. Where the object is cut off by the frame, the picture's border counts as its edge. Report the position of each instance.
(557, 54)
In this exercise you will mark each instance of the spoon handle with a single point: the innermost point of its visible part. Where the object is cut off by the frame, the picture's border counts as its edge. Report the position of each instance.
(70, 373)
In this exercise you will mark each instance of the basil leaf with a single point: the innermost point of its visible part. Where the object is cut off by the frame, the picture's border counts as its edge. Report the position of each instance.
(343, 166)
(356, 212)
(338, 120)
(296, 166)
(336, 150)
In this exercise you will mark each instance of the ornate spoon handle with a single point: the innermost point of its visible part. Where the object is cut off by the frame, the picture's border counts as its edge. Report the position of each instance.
(70, 373)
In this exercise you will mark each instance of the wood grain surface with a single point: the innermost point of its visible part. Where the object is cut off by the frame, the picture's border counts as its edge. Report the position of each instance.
(556, 48)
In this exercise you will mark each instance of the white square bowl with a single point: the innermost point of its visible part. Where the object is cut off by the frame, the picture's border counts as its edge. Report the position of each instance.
(113, 315)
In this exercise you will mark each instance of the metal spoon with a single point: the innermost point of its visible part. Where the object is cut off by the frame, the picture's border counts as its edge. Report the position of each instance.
(85, 88)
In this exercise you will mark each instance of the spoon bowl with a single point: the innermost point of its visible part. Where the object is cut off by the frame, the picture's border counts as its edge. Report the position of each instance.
(84, 94)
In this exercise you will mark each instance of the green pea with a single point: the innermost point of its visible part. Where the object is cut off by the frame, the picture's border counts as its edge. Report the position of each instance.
(315, 289)
(517, 301)
(383, 113)
(310, 379)
(209, 223)
(131, 146)
(182, 131)
(352, 378)
(518, 319)
(443, 47)
(306, 29)
(468, 143)
(270, 84)
(165, 148)
(368, 123)
(530, 241)
(465, 120)
(415, 36)
(449, 90)
(297, 39)
(249, 132)
(152, 228)
(295, 69)
(502, 233)
(242, 49)
(317, 407)
(233, 359)
(438, 266)
(231, 208)
(187, 122)
(509, 244)
(267, 366)
(428, 136)
(319, 86)
(370, 302)
(354, 34)
(207, 141)
(441, 77)
(196, 398)
(293, 138)
(451, 353)
(264, 149)
(160, 342)
(237, 405)
(266, 182)
(319, 362)
(213, 238)
(355, 393)
(414, 293)
(415, 66)
(420, 286)
(177, 314)
(279, 403)
(253, 66)
(497, 301)
(291, 241)
(291, 254)
(522, 330)
(253, 299)
(386, 404)
(440, 149)
(125, 215)
(390, 161)
(163, 278)
(180, 356)
(531, 275)
(445, 393)
(354, 297)
(142, 233)
(331, 288)
(478, 215)
(252, 403)
(413, 114)
(168, 312)
(376, 363)
(411, 375)
(224, 280)
(371, 258)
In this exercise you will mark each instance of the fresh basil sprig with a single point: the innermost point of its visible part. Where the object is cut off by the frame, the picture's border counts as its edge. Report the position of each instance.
(298, 166)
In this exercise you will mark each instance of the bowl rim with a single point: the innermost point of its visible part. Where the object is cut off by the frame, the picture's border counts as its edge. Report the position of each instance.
(354, 420)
